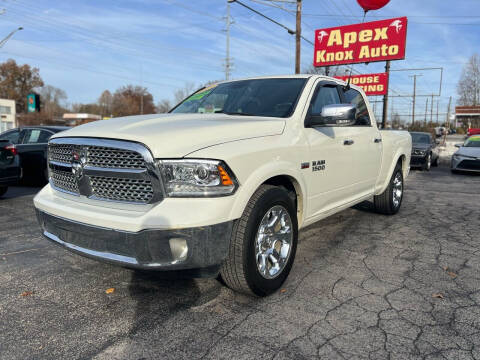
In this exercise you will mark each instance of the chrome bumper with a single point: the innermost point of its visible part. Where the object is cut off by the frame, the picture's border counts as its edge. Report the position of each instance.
(148, 249)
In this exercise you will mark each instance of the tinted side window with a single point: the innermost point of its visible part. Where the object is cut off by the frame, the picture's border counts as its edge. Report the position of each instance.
(354, 97)
(326, 95)
(11, 136)
(36, 136)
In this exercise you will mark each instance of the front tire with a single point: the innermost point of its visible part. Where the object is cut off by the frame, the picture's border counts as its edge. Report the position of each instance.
(390, 201)
(428, 163)
(263, 243)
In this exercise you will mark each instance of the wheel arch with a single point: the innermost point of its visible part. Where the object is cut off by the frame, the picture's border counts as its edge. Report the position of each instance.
(287, 178)
(401, 159)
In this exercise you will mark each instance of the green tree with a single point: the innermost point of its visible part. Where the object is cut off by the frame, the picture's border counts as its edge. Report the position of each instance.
(16, 82)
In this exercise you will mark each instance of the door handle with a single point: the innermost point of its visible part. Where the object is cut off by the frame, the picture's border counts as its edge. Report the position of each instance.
(378, 140)
(348, 142)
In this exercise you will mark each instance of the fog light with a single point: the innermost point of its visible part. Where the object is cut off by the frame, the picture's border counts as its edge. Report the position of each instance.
(179, 248)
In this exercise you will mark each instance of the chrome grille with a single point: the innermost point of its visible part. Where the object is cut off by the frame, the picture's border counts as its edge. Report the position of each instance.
(60, 152)
(104, 169)
(106, 157)
(64, 180)
(131, 190)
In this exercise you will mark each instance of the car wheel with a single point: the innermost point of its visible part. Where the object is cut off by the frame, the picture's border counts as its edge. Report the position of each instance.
(428, 163)
(3, 190)
(263, 243)
(390, 201)
(435, 162)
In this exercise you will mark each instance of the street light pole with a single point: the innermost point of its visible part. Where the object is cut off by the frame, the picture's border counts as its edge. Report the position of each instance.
(9, 36)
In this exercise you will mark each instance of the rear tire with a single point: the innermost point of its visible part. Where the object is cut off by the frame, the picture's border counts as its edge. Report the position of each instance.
(390, 201)
(3, 190)
(263, 243)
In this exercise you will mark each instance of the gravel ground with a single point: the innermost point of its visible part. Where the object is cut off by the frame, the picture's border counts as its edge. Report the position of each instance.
(363, 286)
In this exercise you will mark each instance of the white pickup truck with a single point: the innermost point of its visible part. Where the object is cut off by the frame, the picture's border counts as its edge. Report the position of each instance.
(221, 184)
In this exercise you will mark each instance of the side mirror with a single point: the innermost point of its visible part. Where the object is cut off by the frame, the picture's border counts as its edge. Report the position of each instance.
(458, 145)
(334, 115)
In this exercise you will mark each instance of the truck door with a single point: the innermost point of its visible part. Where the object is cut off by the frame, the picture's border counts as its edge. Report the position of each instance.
(367, 145)
(331, 171)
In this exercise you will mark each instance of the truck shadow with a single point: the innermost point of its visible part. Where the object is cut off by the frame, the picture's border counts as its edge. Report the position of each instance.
(160, 296)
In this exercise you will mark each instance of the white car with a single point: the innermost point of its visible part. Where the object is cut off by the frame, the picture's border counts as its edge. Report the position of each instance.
(222, 183)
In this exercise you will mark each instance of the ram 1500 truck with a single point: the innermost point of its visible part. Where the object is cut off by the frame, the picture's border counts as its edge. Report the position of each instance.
(221, 184)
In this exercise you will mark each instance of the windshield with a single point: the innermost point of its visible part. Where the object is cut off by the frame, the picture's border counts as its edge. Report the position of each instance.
(420, 138)
(260, 97)
(474, 141)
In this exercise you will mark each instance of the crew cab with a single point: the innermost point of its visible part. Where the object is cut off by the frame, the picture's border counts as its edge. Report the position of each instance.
(222, 184)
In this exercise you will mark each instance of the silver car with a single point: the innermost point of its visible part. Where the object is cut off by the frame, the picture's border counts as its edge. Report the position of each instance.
(467, 158)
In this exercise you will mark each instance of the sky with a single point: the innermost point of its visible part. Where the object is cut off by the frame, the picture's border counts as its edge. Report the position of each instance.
(85, 47)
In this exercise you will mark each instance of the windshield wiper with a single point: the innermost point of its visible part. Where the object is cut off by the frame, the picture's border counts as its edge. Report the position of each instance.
(233, 113)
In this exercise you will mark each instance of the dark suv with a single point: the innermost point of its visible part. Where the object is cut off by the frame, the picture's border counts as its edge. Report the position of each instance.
(31, 145)
(424, 150)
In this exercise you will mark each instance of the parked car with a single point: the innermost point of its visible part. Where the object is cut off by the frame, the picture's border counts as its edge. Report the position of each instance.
(424, 150)
(467, 158)
(222, 186)
(473, 131)
(10, 171)
(31, 144)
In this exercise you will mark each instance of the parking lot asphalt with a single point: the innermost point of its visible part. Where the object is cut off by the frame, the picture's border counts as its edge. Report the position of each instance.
(363, 286)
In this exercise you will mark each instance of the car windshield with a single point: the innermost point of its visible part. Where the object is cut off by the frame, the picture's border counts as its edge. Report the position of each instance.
(472, 142)
(259, 97)
(420, 138)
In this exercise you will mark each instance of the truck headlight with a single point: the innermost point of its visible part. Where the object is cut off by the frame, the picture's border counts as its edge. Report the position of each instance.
(197, 178)
(419, 152)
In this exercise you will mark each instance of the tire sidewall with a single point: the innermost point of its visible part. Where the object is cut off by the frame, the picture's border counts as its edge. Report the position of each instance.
(257, 283)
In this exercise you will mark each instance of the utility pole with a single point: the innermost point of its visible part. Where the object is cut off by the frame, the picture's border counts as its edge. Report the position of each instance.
(426, 110)
(228, 64)
(448, 112)
(438, 103)
(414, 96)
(385, 97)
(298, 36)
(431, 110)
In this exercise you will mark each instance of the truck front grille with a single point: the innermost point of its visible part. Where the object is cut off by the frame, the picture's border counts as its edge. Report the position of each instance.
(104, 169)
(131, 190)
(101, 156)
(64, 180)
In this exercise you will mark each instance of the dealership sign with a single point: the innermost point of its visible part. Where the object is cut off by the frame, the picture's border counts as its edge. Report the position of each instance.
(361, 43)
(372, 84)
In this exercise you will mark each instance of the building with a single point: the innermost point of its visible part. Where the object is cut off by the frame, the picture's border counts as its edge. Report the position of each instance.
(7, 114)
(468, 115)
(74, 119)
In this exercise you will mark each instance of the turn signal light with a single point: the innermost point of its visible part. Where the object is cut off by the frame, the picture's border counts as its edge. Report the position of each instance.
(226, 180)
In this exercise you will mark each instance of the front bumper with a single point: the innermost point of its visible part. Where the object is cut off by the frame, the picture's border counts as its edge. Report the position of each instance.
(146, 249)
(465, 164)
(417, 161)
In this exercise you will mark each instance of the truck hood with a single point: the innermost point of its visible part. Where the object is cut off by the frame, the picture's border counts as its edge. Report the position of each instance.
(177, 135)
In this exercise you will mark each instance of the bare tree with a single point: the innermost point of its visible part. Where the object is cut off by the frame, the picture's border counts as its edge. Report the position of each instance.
(105, 101)
(181, 94)
(52, 100)
(129, 100)
(163, 106)
(326, 70)
(468, 87)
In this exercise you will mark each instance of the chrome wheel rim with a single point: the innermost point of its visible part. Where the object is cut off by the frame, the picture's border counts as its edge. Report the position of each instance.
(429, 161)
(273, 242)
(397, 189)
